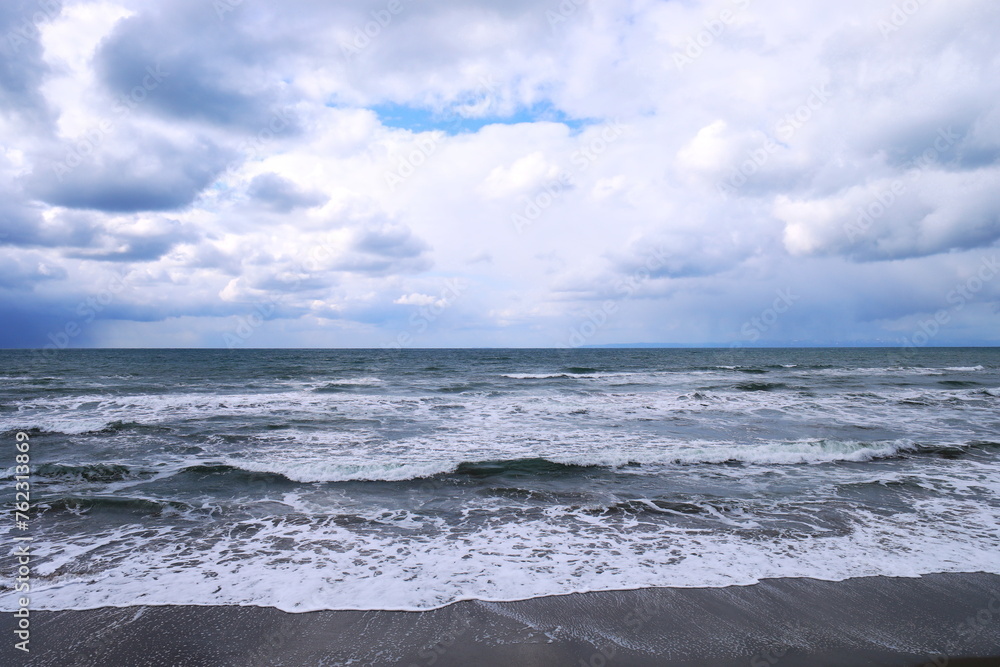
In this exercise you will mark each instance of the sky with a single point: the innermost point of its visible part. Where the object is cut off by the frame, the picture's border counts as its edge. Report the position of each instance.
(499, 173)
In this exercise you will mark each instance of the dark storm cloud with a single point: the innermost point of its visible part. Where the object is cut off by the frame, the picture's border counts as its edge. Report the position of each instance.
(87, 235)
(282, 195)
(230, 63)
(147, 174)
(23, 271)
(390, 242)
(18, 221)
(922, 212)
(135, 250)
(294, 282)
(29, 231)
(215, 71)
(383, 250)
(945, 141)
(31, 323)
(679, 256)
(22, 69)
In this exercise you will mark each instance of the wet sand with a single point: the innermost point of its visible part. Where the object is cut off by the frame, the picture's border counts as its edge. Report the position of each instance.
(943, 619)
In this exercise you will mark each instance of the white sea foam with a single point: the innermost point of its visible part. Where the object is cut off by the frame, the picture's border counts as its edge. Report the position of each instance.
(814, 451)
(324, 547)
(514, 418)
(318, 466)
(314, 564)
(353, 382)
(888, 371)
(318, 470)
(552, 376)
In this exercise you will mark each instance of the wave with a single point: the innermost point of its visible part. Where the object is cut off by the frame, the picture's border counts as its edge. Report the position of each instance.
(867, 371)
(545, 376)
(348, 384)
(95, 472)
(334, 387)
(462, 388)
(987, 445)
(814, 451)
(801, 452)
(520, 467)
(759, 369)
(648, 506)
(231, 418)
(958, 384)
(317, 471)
(575, 373)
(761, 386)
(242, 474)
(122, 426)
(819, 451)
(130, 505)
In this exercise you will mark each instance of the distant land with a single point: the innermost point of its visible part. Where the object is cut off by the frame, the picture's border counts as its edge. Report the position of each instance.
(708, 346)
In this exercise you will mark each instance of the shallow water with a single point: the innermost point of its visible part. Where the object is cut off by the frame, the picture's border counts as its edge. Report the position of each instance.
(409, 479)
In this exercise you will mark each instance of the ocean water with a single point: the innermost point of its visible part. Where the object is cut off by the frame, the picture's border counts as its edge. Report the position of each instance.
(356, 479)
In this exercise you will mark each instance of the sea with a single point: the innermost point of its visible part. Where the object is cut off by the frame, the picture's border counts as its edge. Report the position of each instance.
(410, 479)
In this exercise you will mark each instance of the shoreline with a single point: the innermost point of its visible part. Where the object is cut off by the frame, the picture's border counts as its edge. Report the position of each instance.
(937, 619)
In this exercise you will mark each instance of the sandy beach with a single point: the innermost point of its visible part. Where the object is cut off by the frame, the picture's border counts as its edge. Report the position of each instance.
(943, 619)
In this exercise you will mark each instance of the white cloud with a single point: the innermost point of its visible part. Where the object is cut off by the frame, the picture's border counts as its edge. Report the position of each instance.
(341, 218)
(416, 299)
(527, 174)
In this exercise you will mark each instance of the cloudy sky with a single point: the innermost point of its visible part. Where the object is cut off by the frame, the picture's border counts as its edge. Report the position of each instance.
(420, 173)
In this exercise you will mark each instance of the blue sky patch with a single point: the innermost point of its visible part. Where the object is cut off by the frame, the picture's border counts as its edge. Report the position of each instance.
(420, 119)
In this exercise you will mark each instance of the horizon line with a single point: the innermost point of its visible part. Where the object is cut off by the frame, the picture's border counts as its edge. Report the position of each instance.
(612, 346)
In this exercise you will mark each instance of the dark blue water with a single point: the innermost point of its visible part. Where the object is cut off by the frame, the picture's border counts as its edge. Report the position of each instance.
(409, 479)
